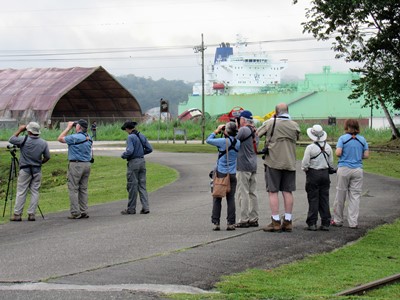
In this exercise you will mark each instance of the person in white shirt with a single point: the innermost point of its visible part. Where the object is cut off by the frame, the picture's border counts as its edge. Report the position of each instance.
(318, 157)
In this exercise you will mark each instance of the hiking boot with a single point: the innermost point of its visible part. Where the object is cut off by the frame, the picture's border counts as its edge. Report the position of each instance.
(127, 212)
(311, 227)
(230, 227)
(253, 224)
(31, 217)
(242, 225)
(274, 226)
(16, 218)
(73, 217)
(324, 228)
(144, 211)
(83, 216)
(287, 225)
(216, 227)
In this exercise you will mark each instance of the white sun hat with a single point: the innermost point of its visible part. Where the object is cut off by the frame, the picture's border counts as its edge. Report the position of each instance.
(316, 133)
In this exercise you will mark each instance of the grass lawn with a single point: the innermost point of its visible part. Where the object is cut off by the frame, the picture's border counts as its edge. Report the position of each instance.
(107, 182)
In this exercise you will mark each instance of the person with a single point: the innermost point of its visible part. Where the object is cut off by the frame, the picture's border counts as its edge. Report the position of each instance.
(351, 149)
(79, 167)
(281, 134)
(137, 146)
(317, 158)
(34, 153)
(246, 172)
(93, 129)
(225, 166)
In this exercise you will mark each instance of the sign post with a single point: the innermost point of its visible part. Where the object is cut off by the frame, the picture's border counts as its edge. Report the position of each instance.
(164, 108)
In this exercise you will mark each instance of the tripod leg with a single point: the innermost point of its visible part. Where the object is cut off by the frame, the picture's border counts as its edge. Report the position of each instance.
(10, 183)
(40, 211)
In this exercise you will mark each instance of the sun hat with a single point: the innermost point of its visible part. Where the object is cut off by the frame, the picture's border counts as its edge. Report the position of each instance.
(33, 128)
(316, 133)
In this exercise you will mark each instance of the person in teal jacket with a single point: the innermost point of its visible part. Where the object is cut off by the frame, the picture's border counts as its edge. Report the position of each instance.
(224, 167)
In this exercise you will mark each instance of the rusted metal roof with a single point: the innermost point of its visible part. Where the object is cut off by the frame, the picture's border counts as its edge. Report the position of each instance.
(55, 94)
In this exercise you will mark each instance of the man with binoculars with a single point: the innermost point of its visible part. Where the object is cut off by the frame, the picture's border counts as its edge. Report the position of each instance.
(80, 158)
(34, 153)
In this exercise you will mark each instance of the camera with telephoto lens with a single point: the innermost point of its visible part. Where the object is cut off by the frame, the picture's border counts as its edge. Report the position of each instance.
(264, 152)
(236, 120)
(12, 148)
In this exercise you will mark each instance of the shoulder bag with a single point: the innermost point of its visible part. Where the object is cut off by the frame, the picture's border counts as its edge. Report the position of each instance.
(222, 186)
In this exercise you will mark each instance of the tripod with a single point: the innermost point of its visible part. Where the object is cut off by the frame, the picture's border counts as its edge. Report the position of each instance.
(10, 185)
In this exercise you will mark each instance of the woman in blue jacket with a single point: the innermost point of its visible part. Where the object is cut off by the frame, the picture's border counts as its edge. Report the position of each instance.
(224, 167)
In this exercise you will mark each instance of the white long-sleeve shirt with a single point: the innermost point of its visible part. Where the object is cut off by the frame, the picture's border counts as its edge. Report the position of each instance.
(319, 162)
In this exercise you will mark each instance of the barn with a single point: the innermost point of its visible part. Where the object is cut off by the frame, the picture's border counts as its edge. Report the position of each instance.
(53, 95)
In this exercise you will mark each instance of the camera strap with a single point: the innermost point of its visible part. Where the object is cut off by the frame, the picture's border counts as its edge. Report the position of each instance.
(231, 147)
(23, 142)
(353, 137)
(323, 152)
(253, 135)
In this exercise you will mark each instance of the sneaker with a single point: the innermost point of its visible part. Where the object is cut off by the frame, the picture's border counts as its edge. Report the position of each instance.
(353, 227)
(16, 218)
(216, 227)
(242, 225)
(334, 224)
(311, 227)
(127, 212)
(31, 217)
(73, 217)
(230, 227)
(287, 225)
(274, 226)
(144, 211)
(253, 224)
(324, 228)
(83, 216)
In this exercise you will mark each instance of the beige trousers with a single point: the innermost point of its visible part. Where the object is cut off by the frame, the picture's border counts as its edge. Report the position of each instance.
(246, 196)
(349, 183)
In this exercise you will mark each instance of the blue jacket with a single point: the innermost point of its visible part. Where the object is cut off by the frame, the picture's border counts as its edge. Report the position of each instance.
(220, 143)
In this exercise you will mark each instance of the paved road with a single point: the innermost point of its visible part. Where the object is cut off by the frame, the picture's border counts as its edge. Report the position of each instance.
(172, 249)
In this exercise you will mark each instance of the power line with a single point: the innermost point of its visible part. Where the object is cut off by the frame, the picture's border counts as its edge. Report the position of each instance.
(63, 52)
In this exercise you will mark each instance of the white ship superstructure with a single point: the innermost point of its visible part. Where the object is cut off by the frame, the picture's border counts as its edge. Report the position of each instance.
(241, 72)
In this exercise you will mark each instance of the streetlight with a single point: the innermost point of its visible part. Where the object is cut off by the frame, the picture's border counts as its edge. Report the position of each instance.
(201, 49)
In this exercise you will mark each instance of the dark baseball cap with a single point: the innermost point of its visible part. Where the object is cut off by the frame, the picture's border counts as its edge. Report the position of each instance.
(83, 123)
(129, 125)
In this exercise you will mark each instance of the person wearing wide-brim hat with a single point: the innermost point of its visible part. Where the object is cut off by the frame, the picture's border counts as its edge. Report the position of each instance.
(34, 152)
(317, 158)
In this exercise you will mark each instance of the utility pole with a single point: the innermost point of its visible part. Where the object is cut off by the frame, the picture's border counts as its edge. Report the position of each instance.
(201, 49)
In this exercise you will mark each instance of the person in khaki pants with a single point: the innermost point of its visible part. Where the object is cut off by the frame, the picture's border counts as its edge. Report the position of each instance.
(351, 149)
(79, 167)
(246, 172)
(34, 153)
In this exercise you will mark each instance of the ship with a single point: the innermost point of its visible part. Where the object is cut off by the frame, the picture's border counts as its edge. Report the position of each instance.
(240, 72)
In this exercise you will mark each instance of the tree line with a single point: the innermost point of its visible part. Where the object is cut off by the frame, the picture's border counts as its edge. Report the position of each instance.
(148, 92)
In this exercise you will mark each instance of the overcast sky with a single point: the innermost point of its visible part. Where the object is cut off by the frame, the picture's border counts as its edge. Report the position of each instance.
(154, 38)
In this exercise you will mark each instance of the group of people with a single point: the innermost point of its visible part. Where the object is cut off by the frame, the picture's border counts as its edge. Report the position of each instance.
(35, 152)
(238, 157)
